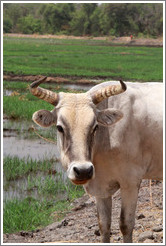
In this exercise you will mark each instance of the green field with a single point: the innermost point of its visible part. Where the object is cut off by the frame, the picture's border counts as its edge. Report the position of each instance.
(83, 58)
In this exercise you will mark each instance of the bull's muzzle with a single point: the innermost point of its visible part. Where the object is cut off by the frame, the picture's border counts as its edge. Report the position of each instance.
(80, 173)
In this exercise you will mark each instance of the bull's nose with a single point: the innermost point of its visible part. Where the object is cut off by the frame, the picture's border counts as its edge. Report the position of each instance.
(83, 173)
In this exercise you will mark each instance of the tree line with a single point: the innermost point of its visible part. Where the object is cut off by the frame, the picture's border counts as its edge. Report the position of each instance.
(113, 19)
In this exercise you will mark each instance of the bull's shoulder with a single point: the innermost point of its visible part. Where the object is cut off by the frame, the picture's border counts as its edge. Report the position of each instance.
(141, 105)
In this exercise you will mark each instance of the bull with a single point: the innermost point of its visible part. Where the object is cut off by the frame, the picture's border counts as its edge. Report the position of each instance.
(109, 138)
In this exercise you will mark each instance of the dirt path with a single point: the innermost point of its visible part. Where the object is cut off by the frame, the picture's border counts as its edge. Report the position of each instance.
(114, 40)
(80, 225)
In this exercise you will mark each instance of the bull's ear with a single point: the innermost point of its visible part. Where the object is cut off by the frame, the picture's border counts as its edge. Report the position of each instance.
(44, 118)
(108, 117)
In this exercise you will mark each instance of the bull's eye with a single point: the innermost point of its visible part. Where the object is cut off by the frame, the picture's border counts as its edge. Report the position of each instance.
(59, 128)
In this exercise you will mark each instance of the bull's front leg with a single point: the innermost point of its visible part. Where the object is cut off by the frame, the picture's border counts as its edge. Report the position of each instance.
(104, 209)
(129, 198)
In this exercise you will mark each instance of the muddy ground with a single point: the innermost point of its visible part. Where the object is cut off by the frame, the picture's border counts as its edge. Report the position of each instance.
(58, 79)
(80, 224)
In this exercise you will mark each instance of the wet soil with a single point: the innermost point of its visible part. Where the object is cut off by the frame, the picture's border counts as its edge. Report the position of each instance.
(65, 80)
(80, 224)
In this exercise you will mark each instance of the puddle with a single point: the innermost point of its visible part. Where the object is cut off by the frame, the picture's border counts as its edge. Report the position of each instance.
(18, 141)
(24, 148)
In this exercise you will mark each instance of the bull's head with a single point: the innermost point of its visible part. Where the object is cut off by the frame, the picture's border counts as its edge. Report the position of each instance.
(77, 120)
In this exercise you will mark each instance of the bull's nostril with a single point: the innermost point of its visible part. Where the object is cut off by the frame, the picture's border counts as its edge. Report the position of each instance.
(77, 172)
(90, 171)
(83, 173)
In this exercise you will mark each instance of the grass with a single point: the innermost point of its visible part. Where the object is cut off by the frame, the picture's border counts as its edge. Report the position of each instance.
(40, 175)
(36, 211)
(24, 215)
(23, 106)
(52, 186)
(14, 167)
(82, 58)
(30, 214)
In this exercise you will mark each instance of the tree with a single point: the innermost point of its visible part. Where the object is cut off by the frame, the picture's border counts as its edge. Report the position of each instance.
(95, 22)
(81, 23)
(7, 25)
(29, 25)
(116, 19)
(56, 17)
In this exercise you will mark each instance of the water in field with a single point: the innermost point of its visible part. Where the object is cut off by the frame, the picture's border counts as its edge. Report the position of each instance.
(18, 141)
(30, 186)
(15, 145)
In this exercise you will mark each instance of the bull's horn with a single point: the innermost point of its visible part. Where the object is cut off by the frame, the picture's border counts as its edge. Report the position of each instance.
(108, 91)
(44, 94)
